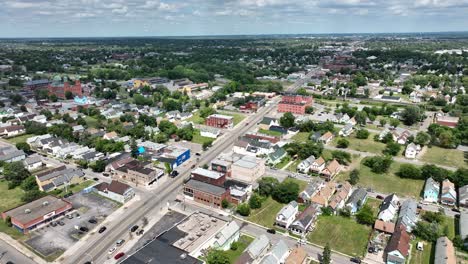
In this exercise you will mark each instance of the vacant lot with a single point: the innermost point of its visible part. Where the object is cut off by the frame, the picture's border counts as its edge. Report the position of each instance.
(270, 132)
(374, 204)
(447, 157)
(364, 145)
(422, 257)
(9, 198)
(266, 215)
(237, 117)
(387, 182)
(284, 161)
(343, 234)
(18, 139)
(199, 139)
(301, 136)
(196, 118)
(302, 184)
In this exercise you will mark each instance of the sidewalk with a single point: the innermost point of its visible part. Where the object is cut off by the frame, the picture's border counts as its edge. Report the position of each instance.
(22, 249)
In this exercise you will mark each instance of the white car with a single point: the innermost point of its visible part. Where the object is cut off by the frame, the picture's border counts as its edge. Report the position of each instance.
(112, 250)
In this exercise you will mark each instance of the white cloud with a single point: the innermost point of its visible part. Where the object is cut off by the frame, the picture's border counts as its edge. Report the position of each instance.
(122, 10)
(24, 5)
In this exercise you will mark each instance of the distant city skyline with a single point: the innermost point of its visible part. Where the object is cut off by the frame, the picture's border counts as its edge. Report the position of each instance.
(113, 18)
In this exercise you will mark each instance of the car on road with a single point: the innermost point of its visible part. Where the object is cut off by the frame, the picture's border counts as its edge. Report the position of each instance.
(174, 173)
(92, 221)
(106, 174)
(88, 262)
(54, 224)
(140, 232)
(102, 229)
(77, 215)
(197, 154)
(120, 242)
(134, 228)
(96, 179)
(84, 229)
(355, 260)
(61, 223)
(455, 210)
(271, 231)
(119, 255)
(69, 216)
(193, 166)
(112, 250)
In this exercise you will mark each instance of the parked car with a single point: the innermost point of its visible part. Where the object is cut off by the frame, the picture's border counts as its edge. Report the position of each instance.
(96, 179)
(134, 228)
(271, 231)
(455, 210)
(84, 229)
(380, 197)
(355, 260)
(119, 255)
(92, 221)
(77, 215)
(112, 250)
(54, 224)
(61, 223)
(193, 166)
(106, 174)
(102, 229)
(69, 216)
(120, 242)
(197, 154)
(140, 232)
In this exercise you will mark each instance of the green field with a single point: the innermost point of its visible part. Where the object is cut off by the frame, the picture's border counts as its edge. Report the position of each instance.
(237, 117)
(447, 157)
(301, 136)
(270, 132)
(293, 166)
(364, 145)
(449, 224)
(266, 215)
(243, 243)
(18, 139)
(196, 118)
(284, 161)
(374, 204)
(422, 257)
(343, 234)
(9, 198)
(197, 138)
(91, 122)
(387, 182)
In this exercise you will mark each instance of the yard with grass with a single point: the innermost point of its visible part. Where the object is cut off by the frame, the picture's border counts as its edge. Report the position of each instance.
(293, 166)
(199, 139)
(76, 188)
(449, 225)
(388, 182)
(301, 136)
(447, 157)
(237, 117)
(266, 215)
(422, 257)
(374, 204)
(242, 244)
(91, 121)
(302, 184)
(364, 145)
(196, 118)
(9, 198)
(284, 161)
(270, 132)
(343, 234)
(18, 139)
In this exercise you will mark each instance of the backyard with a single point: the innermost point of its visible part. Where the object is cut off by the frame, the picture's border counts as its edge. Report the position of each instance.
(447, 157)
(374, 204)
(301, 136)
(343, 234)
(270, 132)
(424, 256)
(243, 242)
(364, 145)
(9, 198)
(18, 139)
(266, 214)
(284, 161)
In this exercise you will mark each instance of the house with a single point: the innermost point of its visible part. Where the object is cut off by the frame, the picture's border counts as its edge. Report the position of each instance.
(111, 136)
(138, 173)
(463, 227)
(277, 254)
(386, 227)
(346, 130)
(323, 195)
(11, 154)
(412, 150)
(444, 251)
(326, 138)
(210, 132)
(304, 166)
(115, 190)
(463, 196)
(341, 118)
(228, 235)
(297, 256)
(389, 208)
(399, 135)
(332, 169)
(305, 221)
(33, 162)
(397, 249)
(287, 214)
(314, 186)
(58, 178)
(338, 200)
(318, 165)
(267, 122)
(448, 195)
(255, 250)
(276, 156)
(449, 121)
(431, 191)
(356, 200)
(12, 131)
(408, 214)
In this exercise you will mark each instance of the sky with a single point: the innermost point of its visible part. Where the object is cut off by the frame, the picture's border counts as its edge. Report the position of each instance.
(112, 18)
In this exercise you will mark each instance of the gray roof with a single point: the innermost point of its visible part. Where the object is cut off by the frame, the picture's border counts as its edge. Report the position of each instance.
(289, 209)
(277, 251)
(442, 252)
(67, 173)
(408, 212)
(258, 245)
(357, 195)
(12, 154)
(463, 193)
(36, 209)
(267, 120)
(431, 185)
(32, 160)
(205, 187)
(279, 153)
(464, 224)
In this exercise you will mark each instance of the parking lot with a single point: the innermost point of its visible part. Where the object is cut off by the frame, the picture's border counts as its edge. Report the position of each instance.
(52, 240)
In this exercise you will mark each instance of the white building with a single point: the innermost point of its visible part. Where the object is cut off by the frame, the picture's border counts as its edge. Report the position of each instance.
(412, 150)
(286, 216)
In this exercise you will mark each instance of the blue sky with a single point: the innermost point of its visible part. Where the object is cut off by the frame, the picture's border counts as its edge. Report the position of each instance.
(95, 18)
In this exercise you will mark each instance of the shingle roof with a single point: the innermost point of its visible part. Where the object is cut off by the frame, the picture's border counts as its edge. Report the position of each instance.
(444, 252)
(399, 241)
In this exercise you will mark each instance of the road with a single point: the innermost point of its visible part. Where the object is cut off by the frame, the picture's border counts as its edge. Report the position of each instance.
(9, 253)
(96, 248)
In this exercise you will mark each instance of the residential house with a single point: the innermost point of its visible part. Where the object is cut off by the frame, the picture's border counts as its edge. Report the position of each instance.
(463, 227)
(463, 196)
(341, 118)
(326, 138)
(389, 208)
(267, 122)
(412, 150)
(11, 154)
(297, 256)
(277, 254)
(287, 214)
(397, 249)
(332, 169)
(115, 190)
(356, 200)
(314, 186)
(33, 162)
(255, 250)
(408, 214)
(448, 195)
(224, 238)
(12, 131)
(346, 130)
(209, 132)
(324, 194)
(58, 178)
(277, 155)
(305, 221)
(304, 166)
(318, 165)
(431, 191)
(386, 227)
(444, 251)
(342, 194)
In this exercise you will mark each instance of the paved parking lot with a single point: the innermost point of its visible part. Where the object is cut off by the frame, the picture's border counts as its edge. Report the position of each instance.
(53, 239)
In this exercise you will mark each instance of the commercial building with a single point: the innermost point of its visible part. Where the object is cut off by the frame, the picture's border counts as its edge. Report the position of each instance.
(115, 190)
(207, 176)
(37, 84)
(248, 169)
(220, 121)
(60, 86)
(138, 173)
(206, 193)
(29, 216)
(295, 104)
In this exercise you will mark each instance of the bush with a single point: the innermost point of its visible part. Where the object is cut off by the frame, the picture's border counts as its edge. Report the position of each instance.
(342, 143)
(410, 171)
(378, 164)
(341, 156)
(362, 134)
(286, 192)
(255, 201)
(243, 209)
(225, 203)
(365, 215)
(392, 149)
(234, 246)
(354, 177)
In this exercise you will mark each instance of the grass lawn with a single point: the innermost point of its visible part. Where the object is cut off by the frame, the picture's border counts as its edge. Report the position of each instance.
(374, 204)
(270, 132)
(237, 116)
(197, 138)
(448, 157)
(18, 139)
(449, 224)
(11, 231)
(266, 215)
(343, 234)
(301, 136)
(387, 182)
(293, 166)
(302, 184)
(9, 198)
(364, 145)
(243, 243)
(196, 118)
(284, 161)
(76, 188)
(91, 121)
(422, 257)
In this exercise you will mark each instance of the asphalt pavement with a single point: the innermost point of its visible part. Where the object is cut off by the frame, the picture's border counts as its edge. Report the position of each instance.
(9, 253)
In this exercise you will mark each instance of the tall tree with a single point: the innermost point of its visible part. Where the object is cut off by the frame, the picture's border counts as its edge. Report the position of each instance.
(287, 120)
(326, 255)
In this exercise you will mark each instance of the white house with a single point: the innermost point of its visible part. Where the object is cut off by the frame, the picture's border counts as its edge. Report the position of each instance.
(346, 130)
(116, 191)
(229, 234)
(11, 131)
(412, 150)
(389, 208)
(210, 132)
(33, 163)
(304, 166)
(286, 216)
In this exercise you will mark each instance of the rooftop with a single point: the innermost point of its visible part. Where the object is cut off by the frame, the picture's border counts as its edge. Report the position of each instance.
(36, 209)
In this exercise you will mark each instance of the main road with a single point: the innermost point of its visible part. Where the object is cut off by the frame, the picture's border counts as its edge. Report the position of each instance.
(95, 248)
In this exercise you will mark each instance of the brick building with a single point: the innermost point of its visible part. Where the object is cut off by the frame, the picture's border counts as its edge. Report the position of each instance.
(206, 193)
(220, 121)
(60, 87)
(207, 176)
(294, 103)
(37, 84)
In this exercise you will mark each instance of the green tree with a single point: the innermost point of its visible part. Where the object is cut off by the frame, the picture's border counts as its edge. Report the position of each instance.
(422, 138)
(378, 164)
(394, 122)
(286, 192)
(326, 255)
(134, 148)
(287, 120)
(32, 195)
(23, 146)
(215, 256)
(392, 149)
(342, 143)
(365, 215)
(383, 122)
(342, 157)
(354, 177)
(68, 95)
(255, 201)
(243, 209)
(15, 173)
(361, 118)
(411, 115)
(29, 184)
(267, 185)
(98, 166)
(362, 134)
(225, 203)
(409, 171)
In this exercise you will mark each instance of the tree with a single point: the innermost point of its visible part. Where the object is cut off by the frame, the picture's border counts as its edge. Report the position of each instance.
(365, 215)
(411, 115)
(422, 138)
(134, 148)
(243, 209)
(225, 203)
(341, 156)
(354, 177)
(207, 144)
(434, 172)
(29, 184)
(68, 95)
(167, 127)
(394, 122)
(362, 133)
(392, 149)
(326, 255)
(342, 143)
(98, 166)
(15, 173)
(266, 185)
(361, 118)
(427, 231)
(31, 196)
(255, 201)
(378, 164)
(309, 110)
(286, 192)
(409, 171)
(23, 146)
(8, 221)
(287, 120)
(216, 256)
(327, 211)
(186, 133)
(383, 122)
